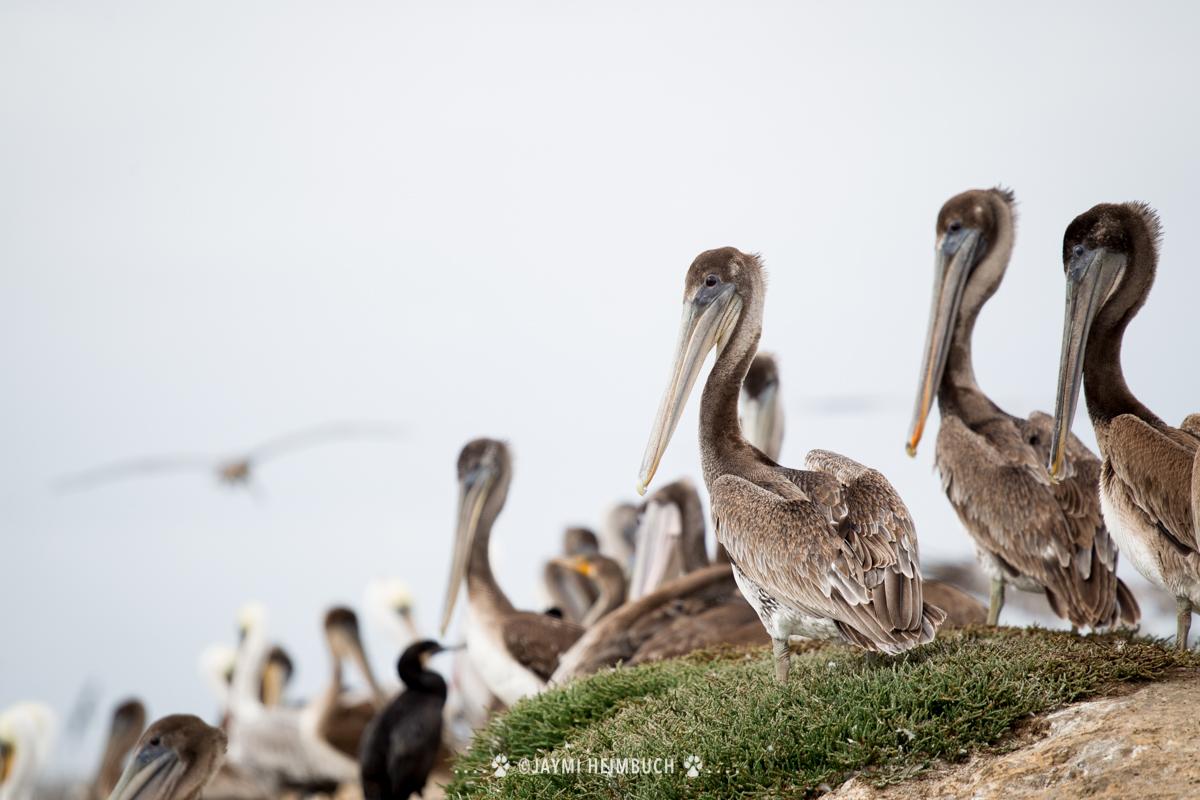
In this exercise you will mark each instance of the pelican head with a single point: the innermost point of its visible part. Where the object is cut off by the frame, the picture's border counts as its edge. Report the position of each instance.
(968, 227)
(250, 618)
(389, 602)
(276, 674)
(580, 540)
(484, 472)
(173, 760)
(26, 737)
(720, 288)
(1099, 248)
(762, 411)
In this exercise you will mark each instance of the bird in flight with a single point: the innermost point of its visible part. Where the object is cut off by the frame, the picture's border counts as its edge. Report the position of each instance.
(233, 470)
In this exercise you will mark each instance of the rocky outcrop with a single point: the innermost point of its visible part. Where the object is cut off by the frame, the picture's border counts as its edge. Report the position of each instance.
(1142, 745)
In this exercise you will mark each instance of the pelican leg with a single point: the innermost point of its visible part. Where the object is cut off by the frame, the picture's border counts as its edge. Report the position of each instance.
(783, 659)
(997, 602)
(1183, 621)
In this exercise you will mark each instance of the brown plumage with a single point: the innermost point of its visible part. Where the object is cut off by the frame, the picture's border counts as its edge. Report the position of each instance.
(604, 576)
(826, 551)
(173, 760)
(1148, 483)
(341, 720)
(670, 621)
(761, 402)
(128, 720)
(515, 652)
(1029, 533)
(570, 592)
(670, 537)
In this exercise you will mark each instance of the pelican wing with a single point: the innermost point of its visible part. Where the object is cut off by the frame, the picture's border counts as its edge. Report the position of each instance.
(536, 641)
(322, 434)
(132, 468)
(1051, 533)
(857, 567)
(1157, 469)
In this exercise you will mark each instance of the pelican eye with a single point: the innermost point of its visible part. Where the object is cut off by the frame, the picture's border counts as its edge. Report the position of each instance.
(711, 280)
(954, 227)
(155, 742)
(1078, 250)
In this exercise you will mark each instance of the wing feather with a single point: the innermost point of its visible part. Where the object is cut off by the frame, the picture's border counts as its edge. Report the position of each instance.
(1157, 469)
(855, 566)
(1051, 534)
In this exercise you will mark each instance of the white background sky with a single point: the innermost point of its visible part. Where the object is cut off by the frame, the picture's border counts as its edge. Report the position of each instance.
(223, 221)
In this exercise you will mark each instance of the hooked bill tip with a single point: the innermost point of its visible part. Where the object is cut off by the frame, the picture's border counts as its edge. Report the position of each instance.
(910, 447)
(641, 487)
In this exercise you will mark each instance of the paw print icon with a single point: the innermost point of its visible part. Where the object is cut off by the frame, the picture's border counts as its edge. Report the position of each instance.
(693, 765)
(500, 766)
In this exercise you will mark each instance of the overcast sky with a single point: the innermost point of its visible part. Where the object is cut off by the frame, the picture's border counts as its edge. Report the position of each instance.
(223, 221)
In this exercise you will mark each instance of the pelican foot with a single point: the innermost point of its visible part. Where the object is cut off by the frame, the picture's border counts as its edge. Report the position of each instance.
(783, 659)
(996, 603)
(1183, 622)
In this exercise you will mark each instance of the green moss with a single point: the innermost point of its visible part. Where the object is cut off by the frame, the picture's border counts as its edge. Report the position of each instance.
(842, 713)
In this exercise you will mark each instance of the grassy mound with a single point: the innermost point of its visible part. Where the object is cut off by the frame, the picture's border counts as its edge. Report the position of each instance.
(841, 714)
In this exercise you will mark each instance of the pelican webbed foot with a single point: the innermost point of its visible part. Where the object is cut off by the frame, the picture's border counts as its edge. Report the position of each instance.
(1183, 621)
(996, 603)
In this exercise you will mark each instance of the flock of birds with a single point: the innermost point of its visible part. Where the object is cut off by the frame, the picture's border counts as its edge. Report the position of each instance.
(828, 551)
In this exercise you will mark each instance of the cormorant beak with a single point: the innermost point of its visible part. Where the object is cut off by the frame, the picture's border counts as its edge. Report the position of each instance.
(152, 773)
(954, 257)
(762, 420)
(709, 317)
(473, 493)
(657, 544)
(1091, 276)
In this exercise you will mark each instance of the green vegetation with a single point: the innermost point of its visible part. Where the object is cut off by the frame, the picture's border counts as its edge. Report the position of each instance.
(842, 714)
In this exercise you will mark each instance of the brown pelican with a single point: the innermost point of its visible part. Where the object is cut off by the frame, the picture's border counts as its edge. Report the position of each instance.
(235, 470)
(670, 538)
(1147, 483)
(1028, 532)
(762, 421)
(277, 747)
(761, 406)
(340, 719)
(128, 720)
(276, 675)
(514, 651)
(618, 535)
(700, 609)
(388, 602)
(827, 551)
(402, 743)
(174, 760)
(26, 737)
(605, 575)
(565, 588)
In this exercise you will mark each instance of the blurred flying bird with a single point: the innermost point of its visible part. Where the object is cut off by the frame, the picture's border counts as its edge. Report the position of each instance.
(236, 470)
